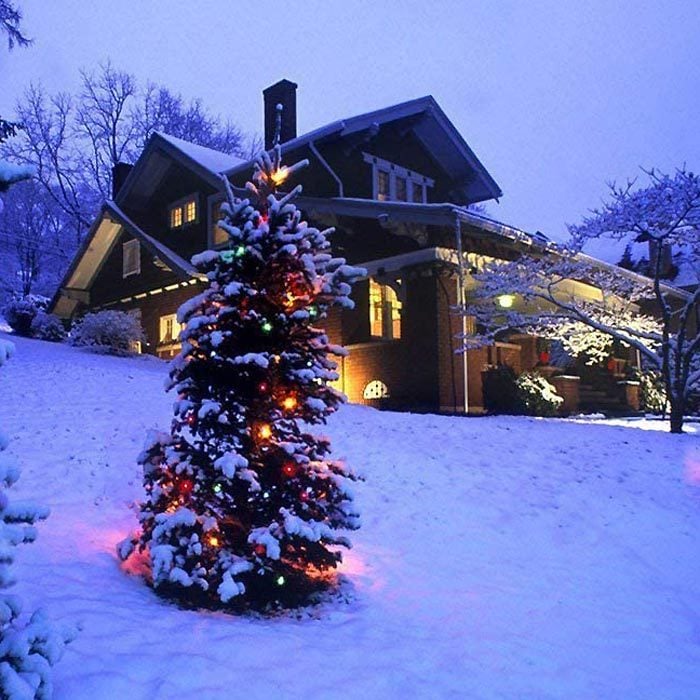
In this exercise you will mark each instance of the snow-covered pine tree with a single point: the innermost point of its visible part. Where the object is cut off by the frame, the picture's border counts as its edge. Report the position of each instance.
(9, 172)
(27, 652)
(244, 505)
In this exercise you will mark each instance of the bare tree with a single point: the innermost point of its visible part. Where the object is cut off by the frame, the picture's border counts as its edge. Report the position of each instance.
(73, 142)
(162, 110)
(31, 234)
(104, 125)
(644, 312)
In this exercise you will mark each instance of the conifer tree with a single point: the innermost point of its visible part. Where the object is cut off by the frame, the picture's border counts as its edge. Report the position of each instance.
(244, 506)
(27, 651)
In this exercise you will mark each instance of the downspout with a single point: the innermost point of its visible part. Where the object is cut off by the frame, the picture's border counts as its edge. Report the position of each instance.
(461, 301)
(330, 170)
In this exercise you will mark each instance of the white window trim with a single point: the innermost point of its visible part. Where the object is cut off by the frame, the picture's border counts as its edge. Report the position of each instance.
(182, 204)
(394, 170)
(162, 325)
(387, 307)
(133, 244)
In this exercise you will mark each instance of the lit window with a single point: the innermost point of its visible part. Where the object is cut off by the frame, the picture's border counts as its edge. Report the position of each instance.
(190, 211)
(183, 212)
(382, 186)
(395, 183)
(131, 258)
(384, 312)
(401, 195)
(169, 328)
(376, 390)
(219, 236)
(176, 217)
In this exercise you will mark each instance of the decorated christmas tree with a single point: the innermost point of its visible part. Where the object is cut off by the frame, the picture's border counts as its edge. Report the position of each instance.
(244, 507)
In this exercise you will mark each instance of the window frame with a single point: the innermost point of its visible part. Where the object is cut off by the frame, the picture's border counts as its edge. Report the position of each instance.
(390, 314)
(133, 244)
(176, 328)
(213, 202)
(396, 172)
(182, 205)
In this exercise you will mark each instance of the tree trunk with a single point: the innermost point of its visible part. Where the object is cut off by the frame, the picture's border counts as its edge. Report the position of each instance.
(676, 415)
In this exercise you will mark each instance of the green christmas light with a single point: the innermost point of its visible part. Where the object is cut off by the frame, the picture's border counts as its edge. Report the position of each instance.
(280, 581)
(240, 251)
(217, 488)
(266, 327)
(313, 312)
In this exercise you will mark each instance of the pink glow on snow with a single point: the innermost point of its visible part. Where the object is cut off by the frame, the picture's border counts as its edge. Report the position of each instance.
(355, 567)
(691, 470)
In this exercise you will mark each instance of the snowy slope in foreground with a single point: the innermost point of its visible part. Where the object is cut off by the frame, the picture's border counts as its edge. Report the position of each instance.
(499, 557)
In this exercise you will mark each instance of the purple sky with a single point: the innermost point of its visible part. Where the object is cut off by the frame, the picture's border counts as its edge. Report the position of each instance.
(556, 98)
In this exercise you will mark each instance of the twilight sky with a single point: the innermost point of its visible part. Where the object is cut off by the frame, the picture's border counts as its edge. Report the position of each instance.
(555, 97)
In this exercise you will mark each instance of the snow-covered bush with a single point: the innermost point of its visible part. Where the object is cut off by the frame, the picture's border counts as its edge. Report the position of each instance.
(653, 397)
(48, 327)
(528, 394)
(27, 651)
(19, 314)
(500, 391)
(113, 332)
(538, 396)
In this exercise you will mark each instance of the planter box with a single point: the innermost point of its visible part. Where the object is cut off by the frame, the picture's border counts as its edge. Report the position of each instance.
(567, 387)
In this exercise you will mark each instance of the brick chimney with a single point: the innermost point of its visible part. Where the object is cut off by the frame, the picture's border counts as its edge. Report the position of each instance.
(283, 93)
(119, 174)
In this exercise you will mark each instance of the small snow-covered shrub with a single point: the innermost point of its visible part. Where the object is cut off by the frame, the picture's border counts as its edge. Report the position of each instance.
(19, 314)
(539, 397)
(48, 327)
(500, 391)
(113, 332)
(653, 398)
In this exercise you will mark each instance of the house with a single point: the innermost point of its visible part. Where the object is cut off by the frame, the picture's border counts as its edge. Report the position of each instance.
(397, 184)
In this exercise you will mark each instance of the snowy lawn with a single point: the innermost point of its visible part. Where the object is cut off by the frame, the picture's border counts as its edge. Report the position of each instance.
(499, 557)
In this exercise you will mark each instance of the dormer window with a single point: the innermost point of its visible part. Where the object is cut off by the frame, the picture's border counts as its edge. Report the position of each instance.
(183, 212)
(176, 217)
(391, 182)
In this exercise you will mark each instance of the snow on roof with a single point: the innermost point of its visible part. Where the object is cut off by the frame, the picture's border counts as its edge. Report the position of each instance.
(209, 158)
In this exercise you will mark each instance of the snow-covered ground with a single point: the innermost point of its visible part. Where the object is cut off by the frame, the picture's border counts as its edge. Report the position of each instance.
(499, 557)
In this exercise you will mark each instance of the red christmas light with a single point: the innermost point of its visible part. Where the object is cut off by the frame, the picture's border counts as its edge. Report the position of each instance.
(185, 486)
(289, 469)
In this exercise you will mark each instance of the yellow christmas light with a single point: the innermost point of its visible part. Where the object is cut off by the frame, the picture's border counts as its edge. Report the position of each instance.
(265, 432)
(279, 176)
(290, 403)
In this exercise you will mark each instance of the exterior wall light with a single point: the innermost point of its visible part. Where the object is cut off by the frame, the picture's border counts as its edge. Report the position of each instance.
(505, 301)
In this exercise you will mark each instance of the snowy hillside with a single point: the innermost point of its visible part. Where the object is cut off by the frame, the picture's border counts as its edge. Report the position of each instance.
(499, 557)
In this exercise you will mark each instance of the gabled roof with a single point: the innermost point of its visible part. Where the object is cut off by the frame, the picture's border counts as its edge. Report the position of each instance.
(214, 161)
(95, 249)
(435, 131)
(162, 148)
